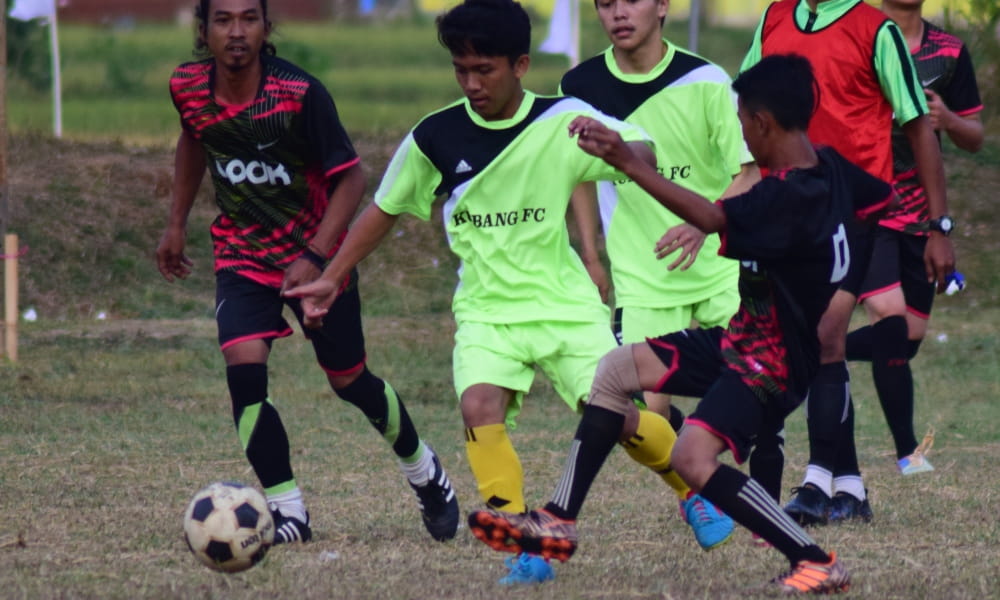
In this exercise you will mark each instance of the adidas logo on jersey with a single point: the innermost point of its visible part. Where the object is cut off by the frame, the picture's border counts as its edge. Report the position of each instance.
(463, 167)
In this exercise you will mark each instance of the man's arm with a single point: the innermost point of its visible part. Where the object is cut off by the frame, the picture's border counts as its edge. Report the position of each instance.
(899, 82)
(366, 234)
(965, 131)
(189, 170)
(584, 205)
(343, 205)
(939, 256)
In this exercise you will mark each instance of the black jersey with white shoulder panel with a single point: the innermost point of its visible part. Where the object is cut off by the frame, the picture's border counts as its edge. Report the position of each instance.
(791, 234)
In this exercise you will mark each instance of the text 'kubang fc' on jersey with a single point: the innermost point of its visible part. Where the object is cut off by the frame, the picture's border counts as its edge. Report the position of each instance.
(686, 104)
(507, 185)
(792, 235)
(273, 161)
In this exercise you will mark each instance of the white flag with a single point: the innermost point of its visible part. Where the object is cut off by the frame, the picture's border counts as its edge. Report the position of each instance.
(562, 38)
(26, 10)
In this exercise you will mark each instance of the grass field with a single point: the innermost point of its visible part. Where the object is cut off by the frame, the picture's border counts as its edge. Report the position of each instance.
(107, 427)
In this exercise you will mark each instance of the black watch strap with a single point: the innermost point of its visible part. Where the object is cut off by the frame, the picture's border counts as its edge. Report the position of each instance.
(944, 224)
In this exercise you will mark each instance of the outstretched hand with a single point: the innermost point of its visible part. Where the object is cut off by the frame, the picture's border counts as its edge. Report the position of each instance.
(595, 138)
(317, 296)
(685, 237)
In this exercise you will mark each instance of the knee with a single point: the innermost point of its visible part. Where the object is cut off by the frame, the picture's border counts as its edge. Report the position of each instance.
(687, 463)
(615, 380)
(480, 409)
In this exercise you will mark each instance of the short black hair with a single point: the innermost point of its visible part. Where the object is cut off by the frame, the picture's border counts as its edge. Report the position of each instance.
(486, 28)
(201, 15)
(783, 85)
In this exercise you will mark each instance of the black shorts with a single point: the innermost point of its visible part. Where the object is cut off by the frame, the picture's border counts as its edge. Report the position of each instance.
(729, 408)
(247, 310)
(862, 238)
(898, 260)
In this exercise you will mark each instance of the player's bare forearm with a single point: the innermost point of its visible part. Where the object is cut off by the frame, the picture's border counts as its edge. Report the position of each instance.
(966, 132)
(366, 234)
(189, 170)
(344, 202)
(939, 255)
(930, 169)
(584, 205)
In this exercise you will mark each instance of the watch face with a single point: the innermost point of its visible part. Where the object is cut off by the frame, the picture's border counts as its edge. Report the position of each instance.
(946, 224)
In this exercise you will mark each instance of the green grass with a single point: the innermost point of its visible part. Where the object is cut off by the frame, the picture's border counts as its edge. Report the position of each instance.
(110, 427)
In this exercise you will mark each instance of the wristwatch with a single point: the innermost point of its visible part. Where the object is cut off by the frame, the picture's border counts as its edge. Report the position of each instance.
(944, 224)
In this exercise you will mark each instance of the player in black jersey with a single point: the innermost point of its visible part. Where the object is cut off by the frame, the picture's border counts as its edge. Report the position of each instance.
(287, 182)
(791, 234)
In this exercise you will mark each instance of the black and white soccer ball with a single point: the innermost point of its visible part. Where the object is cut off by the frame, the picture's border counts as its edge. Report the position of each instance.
(228, 526)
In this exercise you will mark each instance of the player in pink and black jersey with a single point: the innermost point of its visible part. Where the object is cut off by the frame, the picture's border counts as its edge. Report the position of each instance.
(287, 182)
(896, 291)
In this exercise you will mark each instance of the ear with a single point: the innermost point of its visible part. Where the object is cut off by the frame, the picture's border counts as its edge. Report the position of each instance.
(662, 6)
(765, 122)
(521, 65)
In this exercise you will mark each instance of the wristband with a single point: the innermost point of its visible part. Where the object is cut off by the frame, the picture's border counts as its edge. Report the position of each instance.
(312, 256)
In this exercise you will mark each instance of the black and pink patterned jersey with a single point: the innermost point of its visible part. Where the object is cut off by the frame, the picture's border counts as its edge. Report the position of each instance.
(274, 163)
(944, 66)
(792, 233)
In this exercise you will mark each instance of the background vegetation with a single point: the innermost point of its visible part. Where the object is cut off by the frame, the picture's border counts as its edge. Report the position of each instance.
(108, 426)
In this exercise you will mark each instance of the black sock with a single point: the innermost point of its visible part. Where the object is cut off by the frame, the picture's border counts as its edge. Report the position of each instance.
(676, 418)
(262, 434)
(748, 504)
(826, 407)
(847, 451)
(859, 344)
(894, 380)
(767, 459)
(596, 436)
(379, 402)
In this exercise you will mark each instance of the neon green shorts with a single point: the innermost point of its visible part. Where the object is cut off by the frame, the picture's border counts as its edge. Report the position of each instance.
(506, 356)
(639, 322)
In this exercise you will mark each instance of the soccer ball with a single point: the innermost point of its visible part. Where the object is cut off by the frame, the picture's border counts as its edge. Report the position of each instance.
(228, 526)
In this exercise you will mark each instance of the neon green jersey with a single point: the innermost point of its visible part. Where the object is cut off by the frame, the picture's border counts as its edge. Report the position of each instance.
(506, 185)
(687, 106)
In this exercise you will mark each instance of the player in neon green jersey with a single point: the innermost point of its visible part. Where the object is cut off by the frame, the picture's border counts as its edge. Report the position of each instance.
(685, 103)
(504, 162)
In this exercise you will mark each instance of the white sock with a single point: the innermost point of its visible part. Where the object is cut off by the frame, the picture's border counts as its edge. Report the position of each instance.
(420, 471)
(819, 477)
(289, 504)
(850, 484)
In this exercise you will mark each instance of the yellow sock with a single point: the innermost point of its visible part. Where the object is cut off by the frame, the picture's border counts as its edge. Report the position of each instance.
(496, 467)
(651, 446)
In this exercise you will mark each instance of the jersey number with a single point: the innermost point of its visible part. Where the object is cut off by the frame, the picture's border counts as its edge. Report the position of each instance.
(841, 255)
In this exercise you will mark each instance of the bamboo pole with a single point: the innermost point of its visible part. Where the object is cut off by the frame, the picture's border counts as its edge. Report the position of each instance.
(10, 338)
(10, 295)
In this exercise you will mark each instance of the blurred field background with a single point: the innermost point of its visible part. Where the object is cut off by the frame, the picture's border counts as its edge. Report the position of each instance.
(117, 410)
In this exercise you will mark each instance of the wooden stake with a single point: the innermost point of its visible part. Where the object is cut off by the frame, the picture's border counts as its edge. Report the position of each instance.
(10, 295)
